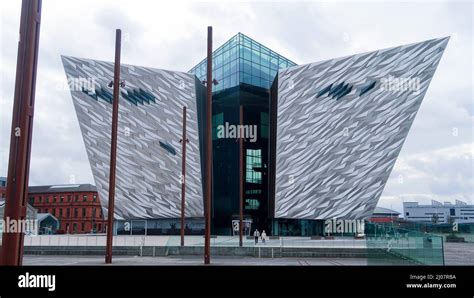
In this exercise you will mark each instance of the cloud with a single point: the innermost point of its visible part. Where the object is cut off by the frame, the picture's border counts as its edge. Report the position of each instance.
(443, 174)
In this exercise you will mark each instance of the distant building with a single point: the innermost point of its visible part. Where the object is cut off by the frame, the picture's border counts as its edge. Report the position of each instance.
(438, 212)
(47, 223)
(76, 206)
(382, 215)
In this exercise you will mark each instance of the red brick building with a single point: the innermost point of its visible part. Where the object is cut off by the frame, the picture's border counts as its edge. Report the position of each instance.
(76, 206)
(384, 215)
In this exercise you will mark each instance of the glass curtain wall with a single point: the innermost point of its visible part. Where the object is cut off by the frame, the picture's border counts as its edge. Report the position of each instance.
(242, 60)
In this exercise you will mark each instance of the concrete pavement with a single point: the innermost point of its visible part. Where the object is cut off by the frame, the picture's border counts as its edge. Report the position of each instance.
(32, 260)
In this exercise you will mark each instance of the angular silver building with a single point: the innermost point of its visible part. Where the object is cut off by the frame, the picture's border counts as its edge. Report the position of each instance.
(339, 125)
(149, 130)
(329, 134)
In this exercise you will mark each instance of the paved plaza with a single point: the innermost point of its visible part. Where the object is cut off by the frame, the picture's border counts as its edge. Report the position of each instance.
(459, 254)
(455, 254)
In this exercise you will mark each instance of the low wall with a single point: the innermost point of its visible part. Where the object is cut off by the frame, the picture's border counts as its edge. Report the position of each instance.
(260, 251)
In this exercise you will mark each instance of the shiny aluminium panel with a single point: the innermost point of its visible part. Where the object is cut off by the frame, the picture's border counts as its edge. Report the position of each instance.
(339, 126)
(149, 131)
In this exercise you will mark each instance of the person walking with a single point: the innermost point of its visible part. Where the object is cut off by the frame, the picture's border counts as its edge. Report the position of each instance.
(256, 234)
(264, 236)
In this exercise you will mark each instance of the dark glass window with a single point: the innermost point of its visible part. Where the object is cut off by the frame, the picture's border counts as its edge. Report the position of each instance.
(367, 88)
(252, 204)
(217, 120)
(167, 147)
(253, 159)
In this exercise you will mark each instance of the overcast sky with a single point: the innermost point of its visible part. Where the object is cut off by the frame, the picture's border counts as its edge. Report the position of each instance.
(436, 161)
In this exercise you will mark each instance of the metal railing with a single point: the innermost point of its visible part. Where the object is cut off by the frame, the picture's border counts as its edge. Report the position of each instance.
(388, 242)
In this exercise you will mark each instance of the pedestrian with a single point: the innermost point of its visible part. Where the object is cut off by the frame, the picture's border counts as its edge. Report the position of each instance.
(264, 236)
(256, 234)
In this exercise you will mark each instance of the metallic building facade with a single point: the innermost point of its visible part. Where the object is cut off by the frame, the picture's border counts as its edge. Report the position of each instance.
(329, 132)
(340, 125)
(150, 128)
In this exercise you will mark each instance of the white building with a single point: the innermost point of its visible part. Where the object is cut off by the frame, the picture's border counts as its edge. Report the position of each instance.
(439, 212)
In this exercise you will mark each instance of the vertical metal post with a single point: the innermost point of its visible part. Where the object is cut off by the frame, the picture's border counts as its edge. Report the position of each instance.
(241, 181)
(113, 147)
(184, 140)
(208, 150)
(21, 130)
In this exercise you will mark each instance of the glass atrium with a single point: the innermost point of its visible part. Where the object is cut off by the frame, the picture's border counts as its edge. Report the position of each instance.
(242, 60)
(244, 70)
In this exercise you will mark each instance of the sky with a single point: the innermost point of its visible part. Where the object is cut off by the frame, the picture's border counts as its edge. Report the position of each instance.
(436, 161)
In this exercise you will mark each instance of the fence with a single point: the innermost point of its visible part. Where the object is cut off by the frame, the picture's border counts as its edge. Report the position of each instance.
(383, 244)
(459, 231)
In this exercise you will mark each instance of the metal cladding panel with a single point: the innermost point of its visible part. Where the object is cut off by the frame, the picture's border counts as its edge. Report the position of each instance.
(149, 131)
(341, 124)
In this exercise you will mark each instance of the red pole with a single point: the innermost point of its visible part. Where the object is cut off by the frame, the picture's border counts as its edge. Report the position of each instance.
(21, 131)
(184, 140)
(241, 181)
(208, 150)
(113, 147)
